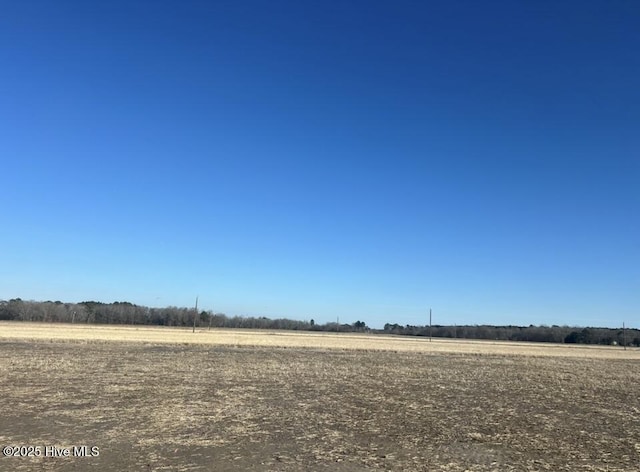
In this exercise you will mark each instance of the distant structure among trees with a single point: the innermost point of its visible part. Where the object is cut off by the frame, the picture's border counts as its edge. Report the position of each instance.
(128, 313)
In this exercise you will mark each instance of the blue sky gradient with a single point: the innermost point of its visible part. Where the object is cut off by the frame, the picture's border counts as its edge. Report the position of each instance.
(362, 160)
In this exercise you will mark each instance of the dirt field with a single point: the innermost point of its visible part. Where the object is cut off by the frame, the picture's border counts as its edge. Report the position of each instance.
(154, 399)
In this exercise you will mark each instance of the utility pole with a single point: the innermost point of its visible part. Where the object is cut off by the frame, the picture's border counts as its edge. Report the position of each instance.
(624, 340)
(195, 316)
(210, 316)
(430, 332)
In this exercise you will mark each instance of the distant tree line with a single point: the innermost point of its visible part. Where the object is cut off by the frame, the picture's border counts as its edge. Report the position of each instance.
(128, 313)
(541, 334)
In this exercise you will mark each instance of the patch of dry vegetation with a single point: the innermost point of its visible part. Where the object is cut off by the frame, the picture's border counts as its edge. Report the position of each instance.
(299, 339)
(218, 407)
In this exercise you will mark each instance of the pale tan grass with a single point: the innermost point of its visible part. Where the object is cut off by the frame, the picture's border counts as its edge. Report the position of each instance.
(296, 339)
(195, 407)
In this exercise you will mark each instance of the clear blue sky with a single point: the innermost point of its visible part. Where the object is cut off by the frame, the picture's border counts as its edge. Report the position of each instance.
(362, 160)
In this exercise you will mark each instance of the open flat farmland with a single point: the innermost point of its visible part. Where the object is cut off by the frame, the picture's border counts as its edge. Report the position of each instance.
(155, 399)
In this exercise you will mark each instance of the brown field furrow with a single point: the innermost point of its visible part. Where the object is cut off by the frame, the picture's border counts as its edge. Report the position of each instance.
(159, 399)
